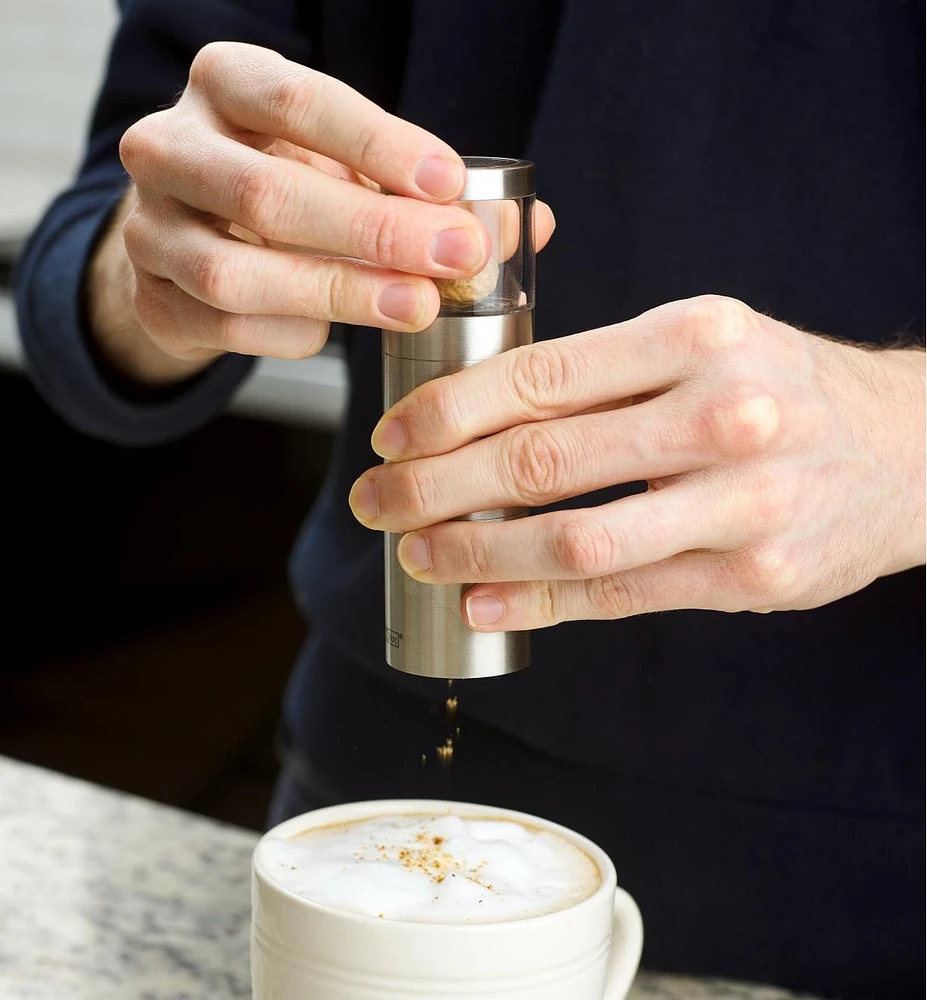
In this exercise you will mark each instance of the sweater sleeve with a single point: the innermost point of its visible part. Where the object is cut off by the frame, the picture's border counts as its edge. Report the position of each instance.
(147, 68)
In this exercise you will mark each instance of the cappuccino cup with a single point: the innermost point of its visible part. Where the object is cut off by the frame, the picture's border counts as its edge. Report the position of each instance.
(421, 900)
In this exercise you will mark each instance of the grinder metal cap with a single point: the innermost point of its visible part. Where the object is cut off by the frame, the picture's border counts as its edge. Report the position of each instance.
(493, 178)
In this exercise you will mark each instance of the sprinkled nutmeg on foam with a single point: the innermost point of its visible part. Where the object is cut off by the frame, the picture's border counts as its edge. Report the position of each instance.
(428, 856)
(433, 868)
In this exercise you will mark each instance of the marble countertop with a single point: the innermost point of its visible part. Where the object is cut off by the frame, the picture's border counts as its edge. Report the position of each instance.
(104, 896)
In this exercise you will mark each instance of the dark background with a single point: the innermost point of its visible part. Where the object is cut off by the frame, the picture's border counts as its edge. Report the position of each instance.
(146, 624)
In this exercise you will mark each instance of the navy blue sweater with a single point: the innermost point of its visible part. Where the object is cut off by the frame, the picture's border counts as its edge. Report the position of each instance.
(770, 150)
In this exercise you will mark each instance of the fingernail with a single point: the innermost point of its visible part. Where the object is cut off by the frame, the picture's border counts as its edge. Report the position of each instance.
(389, 438)
(460, 249)
(484, 610)
(438, 177)
(404, 302)
(363, 499)
(415, 553)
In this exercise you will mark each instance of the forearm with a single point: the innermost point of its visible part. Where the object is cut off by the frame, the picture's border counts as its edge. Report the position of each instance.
(114, 325)
(902, 389)
(890, 415)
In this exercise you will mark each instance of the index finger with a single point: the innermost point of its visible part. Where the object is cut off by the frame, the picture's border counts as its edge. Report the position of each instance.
(257, 89)
(554, 378)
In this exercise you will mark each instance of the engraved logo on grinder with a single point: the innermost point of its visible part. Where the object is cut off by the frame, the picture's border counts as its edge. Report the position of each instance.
(393, 638)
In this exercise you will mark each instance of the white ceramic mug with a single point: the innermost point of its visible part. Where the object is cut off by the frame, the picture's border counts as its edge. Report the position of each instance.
(302, 950)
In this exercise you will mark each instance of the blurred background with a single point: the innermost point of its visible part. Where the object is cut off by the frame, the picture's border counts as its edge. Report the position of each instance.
(146, 624)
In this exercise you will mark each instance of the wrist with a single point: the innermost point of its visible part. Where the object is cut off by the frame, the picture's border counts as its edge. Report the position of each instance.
(898, 421)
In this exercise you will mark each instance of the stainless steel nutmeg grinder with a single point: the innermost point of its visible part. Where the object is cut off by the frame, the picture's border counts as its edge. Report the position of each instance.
(480, 316)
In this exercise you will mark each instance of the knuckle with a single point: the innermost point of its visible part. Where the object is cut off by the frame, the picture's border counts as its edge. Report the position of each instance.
(132, 145)
(767, 574)
(417, 486)
(258, 196)
(389, 237)
(293, 100)
(537, 464)
(540, 376)
(743, 425)
(211, 278)
(366, 142)
(337, 295)
(547, 605)
(142, 146)
(584, 548)
(134, 234)
(211, 62)
(376, 232)
(439, 398)
(711, 322)
(612, 597)
(474, 557)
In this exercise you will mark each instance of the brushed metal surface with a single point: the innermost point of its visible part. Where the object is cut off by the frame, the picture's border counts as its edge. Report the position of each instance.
(426, 634)
(462, 340)
(491, 178)
(425, 631)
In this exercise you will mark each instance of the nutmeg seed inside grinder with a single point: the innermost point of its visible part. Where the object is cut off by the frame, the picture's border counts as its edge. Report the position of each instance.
(480, 316)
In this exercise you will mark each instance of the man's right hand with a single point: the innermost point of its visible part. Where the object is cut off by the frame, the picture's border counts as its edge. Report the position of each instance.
(256, 219)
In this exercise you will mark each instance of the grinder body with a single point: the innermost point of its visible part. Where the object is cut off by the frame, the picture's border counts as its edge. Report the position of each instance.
(479, 318)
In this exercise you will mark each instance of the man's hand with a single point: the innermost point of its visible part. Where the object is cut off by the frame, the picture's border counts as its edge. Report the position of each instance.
(256, 219)
(785, 470)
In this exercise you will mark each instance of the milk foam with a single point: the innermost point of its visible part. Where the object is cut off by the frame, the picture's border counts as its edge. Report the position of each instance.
(433, 869)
